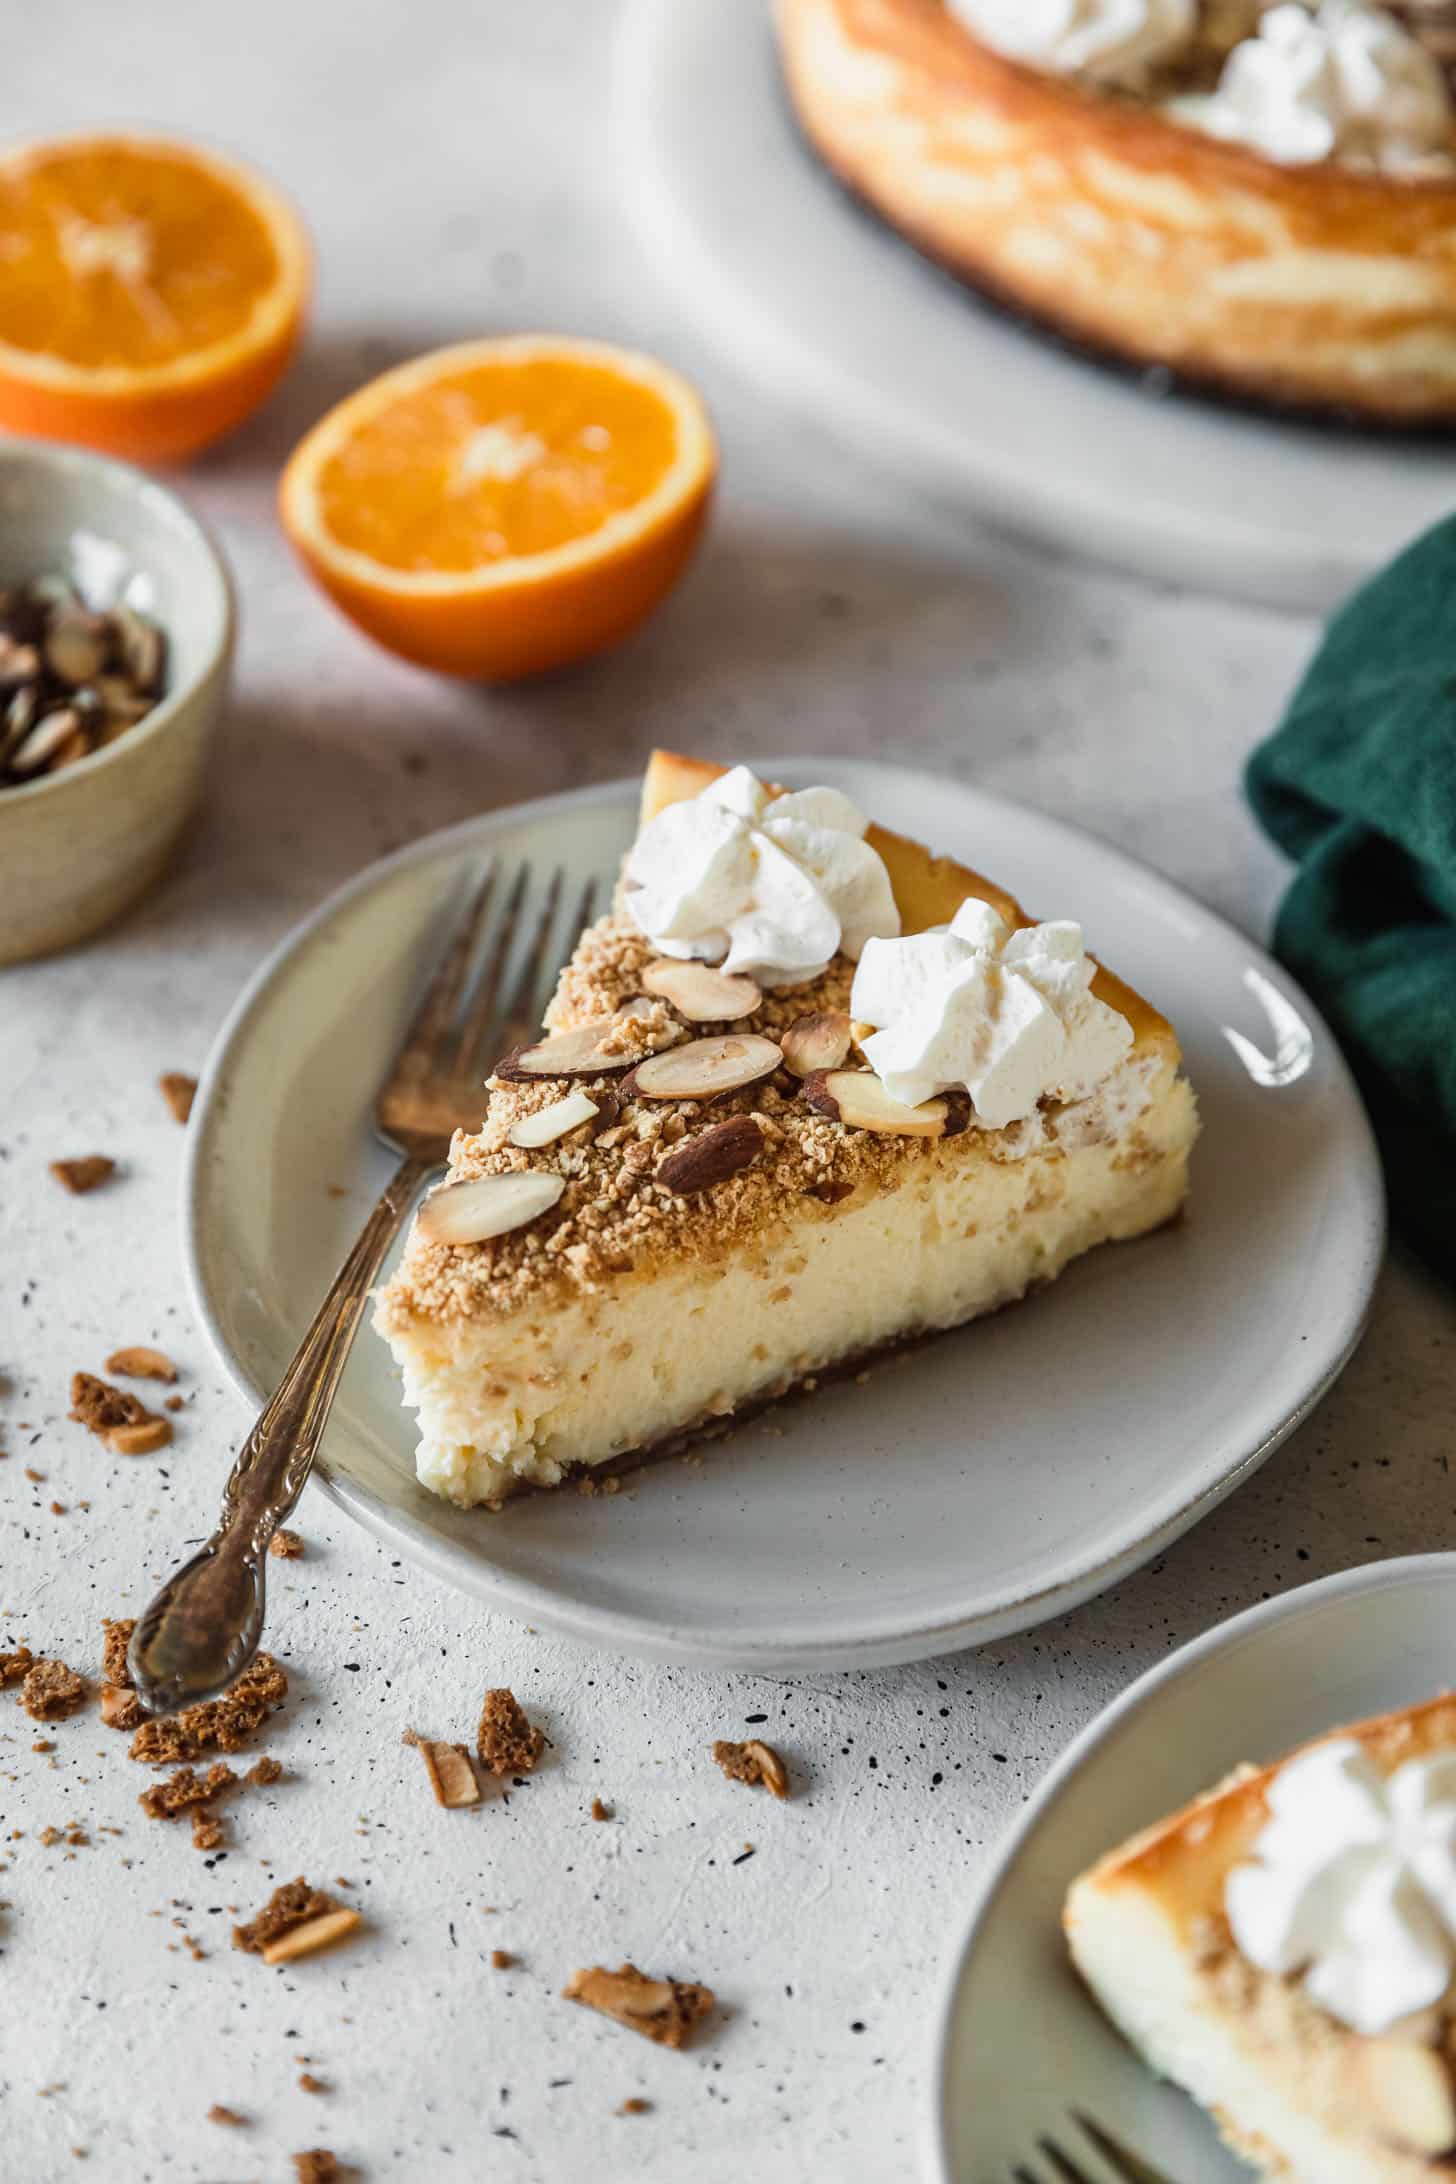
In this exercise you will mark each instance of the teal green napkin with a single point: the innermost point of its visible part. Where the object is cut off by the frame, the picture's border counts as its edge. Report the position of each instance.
(1358, 785)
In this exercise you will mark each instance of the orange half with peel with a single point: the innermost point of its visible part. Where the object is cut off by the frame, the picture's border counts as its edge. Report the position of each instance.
(150, 293)
(504, 507)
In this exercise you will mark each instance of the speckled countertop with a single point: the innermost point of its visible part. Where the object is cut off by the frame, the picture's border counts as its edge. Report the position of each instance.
(451, 164)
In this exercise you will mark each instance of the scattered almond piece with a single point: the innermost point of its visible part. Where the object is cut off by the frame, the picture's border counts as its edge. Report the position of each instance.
(286, 1545)
(317, 2166)
(308, 1939)
(635, 2107)
(175, 1403)
(99, 1407)
(293, 1904)
(139, 1362)
(452, 1778)
(506, 1741)
(308, 2083)
(51, 1691)
(179, 1091)
(218, 2114)
(754, 1763)
(664, 2010)
(120, 1709)
(599, 1811)
(80, 1176)
(501, 1960)
(140, 1440)
(580, 1052)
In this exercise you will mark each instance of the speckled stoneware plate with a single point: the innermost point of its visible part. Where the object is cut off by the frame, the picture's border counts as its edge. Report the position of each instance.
(821, 302)
(1021, 2044)
(971, 1488)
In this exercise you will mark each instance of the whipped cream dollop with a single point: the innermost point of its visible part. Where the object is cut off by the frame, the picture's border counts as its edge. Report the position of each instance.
(1353, 1882)
(1343, 81)
(1113, 41)
(775, 887)
(1008, 1016)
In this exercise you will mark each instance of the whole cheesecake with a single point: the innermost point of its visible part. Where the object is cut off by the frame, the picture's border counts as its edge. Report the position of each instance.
(1114, 213)
(806, 1091)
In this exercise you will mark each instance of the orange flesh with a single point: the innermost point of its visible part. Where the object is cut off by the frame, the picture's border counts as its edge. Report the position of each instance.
(122, 256)
(494, 461)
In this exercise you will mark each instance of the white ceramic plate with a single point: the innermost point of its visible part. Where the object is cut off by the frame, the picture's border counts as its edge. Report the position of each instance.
(1021, 2044)
(962, 1493)
(832, 312)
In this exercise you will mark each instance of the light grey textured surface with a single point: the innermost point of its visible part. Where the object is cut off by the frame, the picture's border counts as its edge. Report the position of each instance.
(451, 165)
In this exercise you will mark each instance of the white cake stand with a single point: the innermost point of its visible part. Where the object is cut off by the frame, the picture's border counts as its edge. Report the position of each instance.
(834, 315)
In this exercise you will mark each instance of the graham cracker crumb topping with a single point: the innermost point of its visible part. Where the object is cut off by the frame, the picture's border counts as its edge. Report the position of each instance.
(506, 1741)
(51, 1691)
(217, 1724)
(613, 1214)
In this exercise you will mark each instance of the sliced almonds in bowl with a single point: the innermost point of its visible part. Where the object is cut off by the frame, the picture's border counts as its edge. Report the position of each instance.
(72, 678)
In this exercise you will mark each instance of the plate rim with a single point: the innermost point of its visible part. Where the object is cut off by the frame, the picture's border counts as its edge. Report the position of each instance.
(528, 1601)
(1386, 1571)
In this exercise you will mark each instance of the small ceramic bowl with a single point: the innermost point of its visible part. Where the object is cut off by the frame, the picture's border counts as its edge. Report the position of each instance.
(80, 846)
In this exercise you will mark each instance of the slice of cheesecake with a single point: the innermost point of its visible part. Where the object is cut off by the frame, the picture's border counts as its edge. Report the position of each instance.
(1283, 1948)
(692, 1195)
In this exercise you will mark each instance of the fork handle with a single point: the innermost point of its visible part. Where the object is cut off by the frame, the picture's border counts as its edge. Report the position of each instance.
(203, 1627)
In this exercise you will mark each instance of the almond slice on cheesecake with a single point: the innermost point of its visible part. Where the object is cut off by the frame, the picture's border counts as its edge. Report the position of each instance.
(913, 1107)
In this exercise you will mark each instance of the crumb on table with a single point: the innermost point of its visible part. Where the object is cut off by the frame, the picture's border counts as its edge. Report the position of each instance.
(506, 1741)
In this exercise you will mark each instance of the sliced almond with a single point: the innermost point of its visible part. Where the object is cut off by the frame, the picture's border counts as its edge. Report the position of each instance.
(550, 1123)
(140, 1440)
(574, 1053)
(701, 994)
(319, 1933)
(490, 1205)
(664, 2010)
(48, 736)
(857, 1098)
(141, 1363)
(452, 1778)
(703, 1068)
(817, 1041)
(1409, 2087)
(712, 1156)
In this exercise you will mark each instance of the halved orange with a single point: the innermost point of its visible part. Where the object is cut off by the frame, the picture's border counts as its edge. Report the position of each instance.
(150, 293)
(506, 506)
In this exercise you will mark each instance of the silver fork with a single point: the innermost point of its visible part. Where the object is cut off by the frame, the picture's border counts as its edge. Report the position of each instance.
(1119, 2161)
(203, 1627)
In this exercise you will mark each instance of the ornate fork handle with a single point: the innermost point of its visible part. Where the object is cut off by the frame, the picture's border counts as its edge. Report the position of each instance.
(203, 1627)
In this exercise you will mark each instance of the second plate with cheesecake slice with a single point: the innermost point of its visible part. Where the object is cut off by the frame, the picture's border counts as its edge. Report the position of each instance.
(961, 1488)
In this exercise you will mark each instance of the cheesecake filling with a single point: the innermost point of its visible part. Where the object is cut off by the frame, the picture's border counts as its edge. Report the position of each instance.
(1352, 1884)
(1008, 1017)
(527, 1398)
(769, 887)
